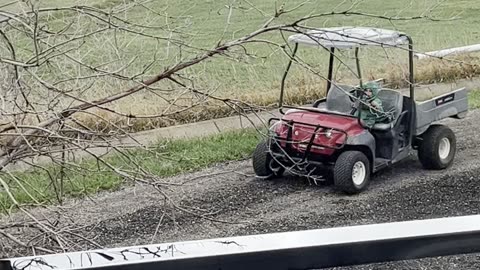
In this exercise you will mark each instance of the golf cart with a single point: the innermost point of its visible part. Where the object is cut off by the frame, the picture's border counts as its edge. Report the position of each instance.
(327, 138)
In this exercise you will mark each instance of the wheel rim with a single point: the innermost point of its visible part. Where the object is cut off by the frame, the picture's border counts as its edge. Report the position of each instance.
(359, 173)
(444, 148)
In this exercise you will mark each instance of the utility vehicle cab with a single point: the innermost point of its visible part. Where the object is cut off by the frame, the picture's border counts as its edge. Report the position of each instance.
(391, 135)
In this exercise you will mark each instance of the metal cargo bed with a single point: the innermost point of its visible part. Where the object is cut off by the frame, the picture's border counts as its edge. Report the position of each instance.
(453, 104)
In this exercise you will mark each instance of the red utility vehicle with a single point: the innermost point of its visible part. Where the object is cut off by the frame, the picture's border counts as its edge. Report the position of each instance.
(328, 138)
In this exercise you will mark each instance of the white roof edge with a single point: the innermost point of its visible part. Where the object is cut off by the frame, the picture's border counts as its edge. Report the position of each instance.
(347, 37)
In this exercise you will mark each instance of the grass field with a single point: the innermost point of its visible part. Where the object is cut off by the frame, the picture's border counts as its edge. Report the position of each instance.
(256, 79)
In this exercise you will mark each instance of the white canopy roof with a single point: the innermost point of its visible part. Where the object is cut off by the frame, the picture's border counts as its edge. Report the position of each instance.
(350, 37)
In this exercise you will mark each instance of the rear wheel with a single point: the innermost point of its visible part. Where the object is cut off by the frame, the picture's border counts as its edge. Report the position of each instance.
(437, 148)
(351, 173)
(264, 165)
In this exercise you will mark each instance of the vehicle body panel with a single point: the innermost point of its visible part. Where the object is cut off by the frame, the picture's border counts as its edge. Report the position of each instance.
(325, 132)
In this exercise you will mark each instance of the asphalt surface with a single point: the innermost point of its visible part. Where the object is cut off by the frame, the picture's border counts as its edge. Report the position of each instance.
(226, 200)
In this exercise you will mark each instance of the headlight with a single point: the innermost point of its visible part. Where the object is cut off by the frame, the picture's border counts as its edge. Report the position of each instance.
(328, 134)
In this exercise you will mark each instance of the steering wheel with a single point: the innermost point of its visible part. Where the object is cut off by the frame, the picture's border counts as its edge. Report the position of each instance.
(357, 94)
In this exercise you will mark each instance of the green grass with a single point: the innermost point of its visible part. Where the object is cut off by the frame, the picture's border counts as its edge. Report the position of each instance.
(166, 159)
(474, 99)
(205, 21)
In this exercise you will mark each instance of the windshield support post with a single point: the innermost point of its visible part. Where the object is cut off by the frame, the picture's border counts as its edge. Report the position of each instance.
(359, 71)
(282, 85)
(330, 69)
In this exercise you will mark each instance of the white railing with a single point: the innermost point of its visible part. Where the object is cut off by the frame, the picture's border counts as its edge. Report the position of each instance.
(289, 250)
(446, 52)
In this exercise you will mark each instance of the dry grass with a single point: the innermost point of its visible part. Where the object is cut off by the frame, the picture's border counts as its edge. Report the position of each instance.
(301, 88)
(266, 99)
(438, 71)
(299, 91)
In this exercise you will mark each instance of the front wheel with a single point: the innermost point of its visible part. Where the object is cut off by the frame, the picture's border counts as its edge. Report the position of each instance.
(264, 165)
(437, 147)
(351, 173)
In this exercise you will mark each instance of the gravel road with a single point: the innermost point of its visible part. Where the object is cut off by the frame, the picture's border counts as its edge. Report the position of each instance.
(228, 192)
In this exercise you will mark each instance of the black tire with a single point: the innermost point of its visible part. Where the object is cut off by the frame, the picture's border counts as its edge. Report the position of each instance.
(261, 160)
(343, 172)
(429, 148)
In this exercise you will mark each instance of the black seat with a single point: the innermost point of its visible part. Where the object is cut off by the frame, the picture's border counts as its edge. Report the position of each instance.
(390, 136)
(392, 102)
